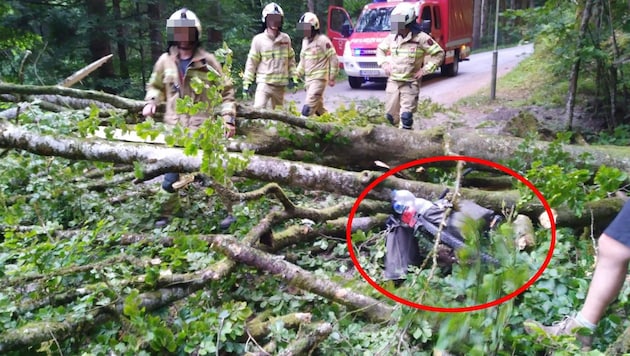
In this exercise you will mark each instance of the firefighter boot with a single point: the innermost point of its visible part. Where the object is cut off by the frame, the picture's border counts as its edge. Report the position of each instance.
(170, 208)
(169, 179)
(406, 120)
(306, 111)
(390, 118)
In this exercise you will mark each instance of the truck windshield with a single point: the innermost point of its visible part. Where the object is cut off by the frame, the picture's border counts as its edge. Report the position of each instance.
(374, 20)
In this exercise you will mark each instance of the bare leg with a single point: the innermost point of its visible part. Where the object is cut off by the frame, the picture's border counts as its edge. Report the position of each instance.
(610, 273)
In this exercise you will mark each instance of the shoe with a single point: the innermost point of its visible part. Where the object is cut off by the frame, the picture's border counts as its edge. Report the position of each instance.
(183, 181)
(227, 222)
(568, 326)
(161, 222)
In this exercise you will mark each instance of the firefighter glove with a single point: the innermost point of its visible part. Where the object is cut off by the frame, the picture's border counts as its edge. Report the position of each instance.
(248, 91)
(293, 82)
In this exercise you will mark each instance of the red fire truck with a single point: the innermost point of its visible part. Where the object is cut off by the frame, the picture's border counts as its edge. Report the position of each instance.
(449, 22)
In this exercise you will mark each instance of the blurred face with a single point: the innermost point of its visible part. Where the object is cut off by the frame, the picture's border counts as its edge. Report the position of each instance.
(305, 29)
(274, 21)
(398, 24)
(183, 32)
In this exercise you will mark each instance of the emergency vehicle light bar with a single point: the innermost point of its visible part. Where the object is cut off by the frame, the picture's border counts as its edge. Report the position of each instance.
(364, 52)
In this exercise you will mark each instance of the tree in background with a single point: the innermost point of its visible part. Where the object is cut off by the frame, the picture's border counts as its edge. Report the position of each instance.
(65, 36)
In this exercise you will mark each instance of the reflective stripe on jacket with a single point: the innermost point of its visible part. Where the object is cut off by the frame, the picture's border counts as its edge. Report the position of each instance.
(270, 60)
(318, 59)
(407, 55)
(166, 85)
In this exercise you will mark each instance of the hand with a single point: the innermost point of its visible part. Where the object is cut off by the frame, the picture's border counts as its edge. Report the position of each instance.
(248, 91)
(149, 109)
(293, 82)
(419, 74)
(229, 124)
(331, 82)
(387, 67)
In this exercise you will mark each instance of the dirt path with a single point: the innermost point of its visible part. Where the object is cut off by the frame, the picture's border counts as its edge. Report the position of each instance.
(474, 75)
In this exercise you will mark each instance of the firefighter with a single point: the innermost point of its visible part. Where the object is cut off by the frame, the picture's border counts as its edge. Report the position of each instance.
(271, 61)
(183, 64)
(406, 55)
(318, 64)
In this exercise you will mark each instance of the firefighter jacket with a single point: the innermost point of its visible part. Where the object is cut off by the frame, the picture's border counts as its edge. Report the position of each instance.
(270, 60)
(167, 84)
(318, 59)
(408, 54)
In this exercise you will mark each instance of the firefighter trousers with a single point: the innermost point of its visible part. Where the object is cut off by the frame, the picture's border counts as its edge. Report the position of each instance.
(401, 97)
(268, 96)
(315, 96)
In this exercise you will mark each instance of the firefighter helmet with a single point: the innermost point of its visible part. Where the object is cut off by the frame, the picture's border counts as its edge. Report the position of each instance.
(406, 12)
(271, 8)
(311, 19)
(183, 18)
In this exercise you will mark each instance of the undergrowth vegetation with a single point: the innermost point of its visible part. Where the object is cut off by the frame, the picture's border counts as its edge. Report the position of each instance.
(78, 212)
(58, 195)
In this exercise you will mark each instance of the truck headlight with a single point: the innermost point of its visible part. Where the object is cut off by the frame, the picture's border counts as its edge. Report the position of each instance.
(347, 52)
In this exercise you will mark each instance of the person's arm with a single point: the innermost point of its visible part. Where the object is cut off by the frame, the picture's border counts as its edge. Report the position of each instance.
(301, 71)
(333, 62)
(251, 66)
(382, 55)
(155, 88)
(434, 55)
(293, 73)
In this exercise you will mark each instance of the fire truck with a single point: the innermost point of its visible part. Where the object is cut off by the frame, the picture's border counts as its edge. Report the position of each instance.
(449, 22)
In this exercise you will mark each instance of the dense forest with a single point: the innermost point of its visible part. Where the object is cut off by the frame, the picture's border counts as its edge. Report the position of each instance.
(68, 33)
(84, 270)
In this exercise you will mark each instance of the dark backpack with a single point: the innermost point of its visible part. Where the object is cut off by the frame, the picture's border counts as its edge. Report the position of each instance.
(401, 250)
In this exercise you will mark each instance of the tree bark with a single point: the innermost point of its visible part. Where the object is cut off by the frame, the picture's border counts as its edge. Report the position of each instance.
(134, 106)
(373, 309)
(159, 160)
(621, 346)
(261, 328)
(100, 41)
(121, 41)
(476, 24)
(305, 344)
(361, 145)
(156, 24)
(575, 67)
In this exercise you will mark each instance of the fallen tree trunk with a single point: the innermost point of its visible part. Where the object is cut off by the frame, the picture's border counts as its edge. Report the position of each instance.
(133, 106)
(158, 160)
(312, 336)
(373, 309)
(359, 146)
(261, 328)
(621, 346)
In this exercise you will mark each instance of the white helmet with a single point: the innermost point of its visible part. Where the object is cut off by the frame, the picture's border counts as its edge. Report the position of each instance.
(184, 18)
(310, 18)
(271, 8)
(405, 11)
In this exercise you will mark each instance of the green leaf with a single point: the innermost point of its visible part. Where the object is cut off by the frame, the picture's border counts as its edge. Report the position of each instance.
(132, 303)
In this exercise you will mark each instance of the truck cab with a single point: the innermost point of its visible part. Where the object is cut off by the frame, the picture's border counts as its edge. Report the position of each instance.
(449, 22)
